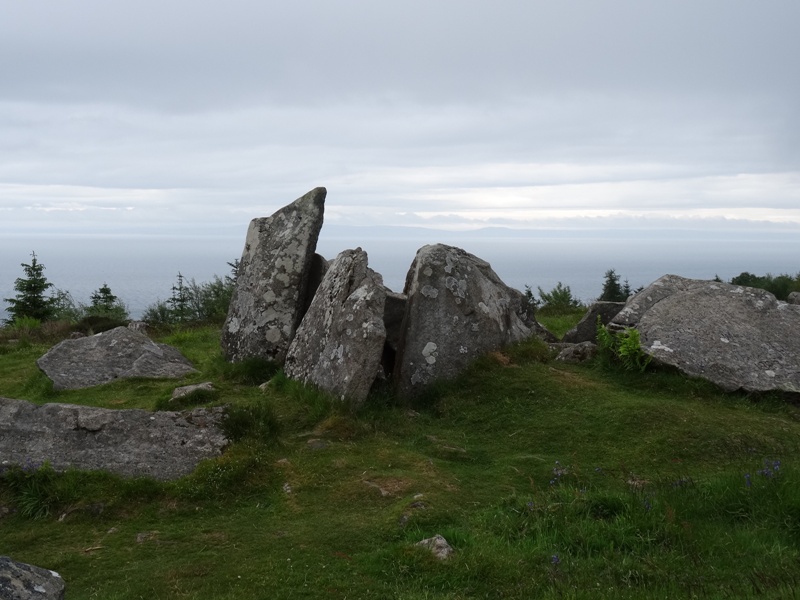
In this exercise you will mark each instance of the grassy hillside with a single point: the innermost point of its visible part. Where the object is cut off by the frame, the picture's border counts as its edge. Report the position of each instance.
(549, 481)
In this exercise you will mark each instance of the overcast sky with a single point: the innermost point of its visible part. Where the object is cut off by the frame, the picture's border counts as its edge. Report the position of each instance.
(194, 117)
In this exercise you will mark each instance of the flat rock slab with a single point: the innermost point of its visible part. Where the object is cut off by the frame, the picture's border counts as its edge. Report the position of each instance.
(131, 442)
(737, 337)
(116, 354)
(20, 581)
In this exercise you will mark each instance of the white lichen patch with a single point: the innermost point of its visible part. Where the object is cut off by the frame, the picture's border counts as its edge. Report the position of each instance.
(769, 373)
(429, 291)
(657, 345)
(429, 352)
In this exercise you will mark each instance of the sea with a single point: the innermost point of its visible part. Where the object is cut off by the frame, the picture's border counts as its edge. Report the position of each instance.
(141, 270)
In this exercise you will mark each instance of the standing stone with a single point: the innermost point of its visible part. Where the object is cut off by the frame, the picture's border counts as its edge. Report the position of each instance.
(458, 309)
(272, 281)
(339, 344)
(20, 581)
(736, 337)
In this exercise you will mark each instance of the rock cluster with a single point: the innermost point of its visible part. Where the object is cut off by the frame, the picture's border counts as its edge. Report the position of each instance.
(130, 442)
(340, 328)
(737, 337)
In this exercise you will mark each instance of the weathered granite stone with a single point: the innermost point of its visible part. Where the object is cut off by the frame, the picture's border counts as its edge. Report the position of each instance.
(736, 337)
(272, 281)
(116, 354)
(185, 390)
(133, 443)
(577, 353)
(586, 329)
(19, 581)
(438, 545)
(793, 298)
(458, 309)
(339, 344)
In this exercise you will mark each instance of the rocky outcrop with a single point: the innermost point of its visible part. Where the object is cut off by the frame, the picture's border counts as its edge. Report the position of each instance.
(739, 338)
(20, 581)
(586, 329)
(272, 281)
(339, 344)
(116, 354)
(132, 443)
(458, 309)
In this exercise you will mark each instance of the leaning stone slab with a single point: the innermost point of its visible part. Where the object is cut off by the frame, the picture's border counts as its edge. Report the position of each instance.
(339, 345)
(131, 442)
(272, 281)
(20, 581)
(116, 354)
(458, 309)
(586, 329)
(737, 337)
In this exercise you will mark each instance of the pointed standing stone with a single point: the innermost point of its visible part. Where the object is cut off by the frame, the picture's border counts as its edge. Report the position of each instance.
(339, 344)
(272, 281)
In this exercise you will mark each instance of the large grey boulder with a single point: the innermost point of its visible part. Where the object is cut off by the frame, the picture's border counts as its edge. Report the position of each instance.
(339, 343)
(116, 354)
(272, 281)
(20, 581)
(458, 309)
(739, 338)
(793, 298)
(133, 443)
(586, 329)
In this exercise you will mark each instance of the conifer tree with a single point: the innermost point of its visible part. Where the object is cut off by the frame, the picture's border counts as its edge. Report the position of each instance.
(30, 300)
(612, 291)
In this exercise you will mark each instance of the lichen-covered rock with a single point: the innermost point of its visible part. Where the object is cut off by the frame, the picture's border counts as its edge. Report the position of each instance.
(272, 281)
(130, 442)
(736, 337)
(458, 309)
(339, 343)
(586, 329)
(116, 354)
(438, 546)
(577, 353)
(20, 581)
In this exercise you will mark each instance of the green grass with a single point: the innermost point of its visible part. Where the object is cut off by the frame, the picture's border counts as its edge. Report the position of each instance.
(549, 480)
(560, 322)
